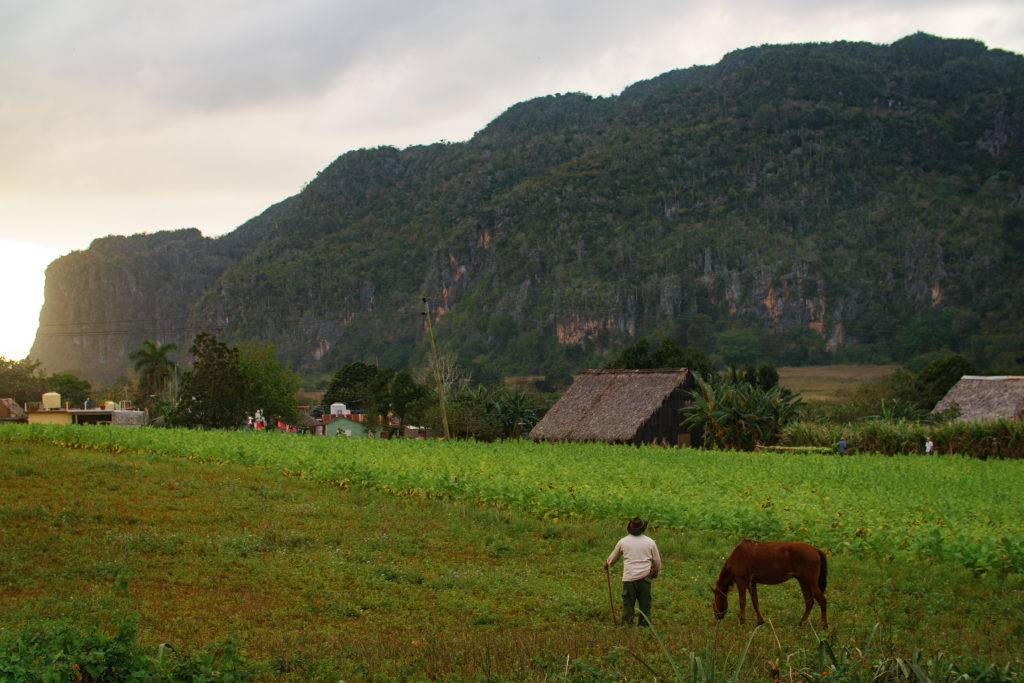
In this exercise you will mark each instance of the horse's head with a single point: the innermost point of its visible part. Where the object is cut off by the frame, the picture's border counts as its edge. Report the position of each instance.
(719, 602)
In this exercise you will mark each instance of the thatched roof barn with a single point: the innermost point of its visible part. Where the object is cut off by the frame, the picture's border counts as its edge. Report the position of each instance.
(985, 398)
(621, 406)
(10, 411)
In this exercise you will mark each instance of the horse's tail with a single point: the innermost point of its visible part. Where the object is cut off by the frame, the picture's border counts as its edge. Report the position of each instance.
(823, 573)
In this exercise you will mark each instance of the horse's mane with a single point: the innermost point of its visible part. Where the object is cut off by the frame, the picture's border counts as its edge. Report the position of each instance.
(725, 579)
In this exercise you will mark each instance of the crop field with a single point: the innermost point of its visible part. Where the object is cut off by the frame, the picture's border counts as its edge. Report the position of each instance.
(830, 382)
(331, 559)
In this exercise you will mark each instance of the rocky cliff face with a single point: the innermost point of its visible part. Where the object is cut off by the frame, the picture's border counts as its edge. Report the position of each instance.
(101, 303)
(797, 203)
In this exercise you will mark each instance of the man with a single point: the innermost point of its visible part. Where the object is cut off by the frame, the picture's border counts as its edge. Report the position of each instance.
(641, 564)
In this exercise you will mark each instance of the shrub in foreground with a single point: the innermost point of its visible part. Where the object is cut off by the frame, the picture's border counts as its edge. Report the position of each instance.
(48, 650)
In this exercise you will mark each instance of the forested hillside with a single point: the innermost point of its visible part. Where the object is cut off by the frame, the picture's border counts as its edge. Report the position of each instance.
(798, 203)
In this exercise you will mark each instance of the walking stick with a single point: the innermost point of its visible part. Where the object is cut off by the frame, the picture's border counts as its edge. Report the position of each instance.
(611, 602)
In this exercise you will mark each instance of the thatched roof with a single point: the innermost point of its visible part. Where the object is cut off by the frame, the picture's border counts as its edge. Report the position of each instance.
(985, 398)
(10, 410)
(608, 405)
(307, 421)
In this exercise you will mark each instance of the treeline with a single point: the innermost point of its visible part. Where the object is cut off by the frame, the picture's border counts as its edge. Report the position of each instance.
(24, 381)
(736, 408)
(467, 410)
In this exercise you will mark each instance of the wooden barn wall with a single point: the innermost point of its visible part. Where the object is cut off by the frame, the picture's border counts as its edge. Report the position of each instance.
(664, 423)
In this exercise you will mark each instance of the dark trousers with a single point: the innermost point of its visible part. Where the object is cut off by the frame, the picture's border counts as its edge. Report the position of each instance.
(634, 592)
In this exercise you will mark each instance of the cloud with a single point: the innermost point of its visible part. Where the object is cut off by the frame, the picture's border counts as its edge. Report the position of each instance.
(122, 117)
(191, 54)
(227, 97)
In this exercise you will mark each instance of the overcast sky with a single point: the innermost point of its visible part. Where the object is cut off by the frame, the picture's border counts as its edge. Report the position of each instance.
(121, 116)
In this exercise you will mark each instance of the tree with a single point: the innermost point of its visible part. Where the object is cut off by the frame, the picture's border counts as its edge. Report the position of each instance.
(738, 345)
(213, 392)
(406, 394)
(154, 367)
(71, 388)
(269, 386)
(20, 380)
(635, 356)
(469, 416)
(764, 375)
(352, 385)
(517, 410)
(668, 354)
(447, 372)
(449, 378)
(377, 399)
(939, 377)
(557, 380)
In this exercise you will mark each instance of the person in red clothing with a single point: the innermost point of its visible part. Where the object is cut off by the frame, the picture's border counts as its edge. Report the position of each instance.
(641, 564)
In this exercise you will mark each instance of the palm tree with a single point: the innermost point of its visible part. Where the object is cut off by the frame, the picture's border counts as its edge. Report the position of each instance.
(739, 415)
(153, 366)
(516, 410)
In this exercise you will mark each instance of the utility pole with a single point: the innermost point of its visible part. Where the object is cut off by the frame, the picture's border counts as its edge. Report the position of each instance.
(437, 370)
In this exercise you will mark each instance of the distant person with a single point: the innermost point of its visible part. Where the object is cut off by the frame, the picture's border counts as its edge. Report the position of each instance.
(841, 445)
(929, 447)
(641, 564)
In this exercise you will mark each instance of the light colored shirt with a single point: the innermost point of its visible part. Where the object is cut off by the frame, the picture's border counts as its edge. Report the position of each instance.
(640, 557)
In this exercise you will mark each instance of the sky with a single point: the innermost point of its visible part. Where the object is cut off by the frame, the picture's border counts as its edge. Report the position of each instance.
(125, 117)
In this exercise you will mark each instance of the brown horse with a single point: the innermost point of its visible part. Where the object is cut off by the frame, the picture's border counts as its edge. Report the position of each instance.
(753, 562)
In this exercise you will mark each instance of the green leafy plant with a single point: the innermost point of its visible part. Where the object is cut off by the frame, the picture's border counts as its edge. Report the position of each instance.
(58, 650)
(739, 415)
(866, 502)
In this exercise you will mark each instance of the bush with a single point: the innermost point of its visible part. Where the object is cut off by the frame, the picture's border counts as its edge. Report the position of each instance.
(57, 650)
(1003, 438)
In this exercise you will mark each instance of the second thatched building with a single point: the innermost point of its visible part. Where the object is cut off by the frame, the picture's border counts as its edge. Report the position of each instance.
(621, 406)
(985, 398)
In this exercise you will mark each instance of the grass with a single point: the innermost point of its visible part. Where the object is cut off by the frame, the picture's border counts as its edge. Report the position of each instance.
(830, 382)
(319, 582)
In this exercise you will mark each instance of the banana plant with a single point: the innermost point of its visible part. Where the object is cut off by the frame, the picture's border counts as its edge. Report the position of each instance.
(739, 415)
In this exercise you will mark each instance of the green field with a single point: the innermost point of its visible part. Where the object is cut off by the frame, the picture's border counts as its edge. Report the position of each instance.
(462, 561)
(830, 382)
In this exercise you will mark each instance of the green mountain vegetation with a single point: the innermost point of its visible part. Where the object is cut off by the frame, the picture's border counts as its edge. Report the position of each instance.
(815, 203)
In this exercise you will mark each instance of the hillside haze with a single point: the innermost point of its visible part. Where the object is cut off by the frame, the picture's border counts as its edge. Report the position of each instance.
(797, 203)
